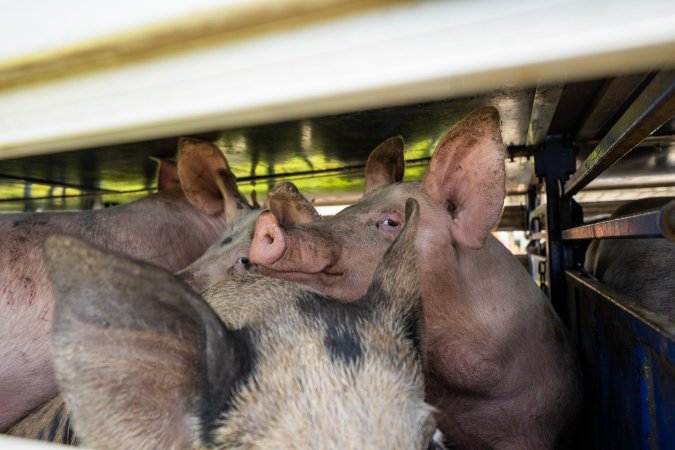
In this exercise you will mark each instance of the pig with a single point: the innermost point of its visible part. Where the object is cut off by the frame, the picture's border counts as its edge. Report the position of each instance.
(171, 228)
(501, 371)
(230, 254)
(144, 362)
(227, 257)
(641, 269)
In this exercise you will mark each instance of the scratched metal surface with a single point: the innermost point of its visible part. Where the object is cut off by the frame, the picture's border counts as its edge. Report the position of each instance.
(628, 358)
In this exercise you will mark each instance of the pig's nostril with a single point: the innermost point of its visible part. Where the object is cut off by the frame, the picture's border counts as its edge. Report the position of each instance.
(270, 238)
(245, 262)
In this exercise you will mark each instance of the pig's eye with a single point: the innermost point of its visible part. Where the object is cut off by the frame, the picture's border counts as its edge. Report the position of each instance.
(387, 223)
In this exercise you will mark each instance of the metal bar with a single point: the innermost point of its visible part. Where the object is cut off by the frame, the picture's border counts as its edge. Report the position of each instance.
(545, 102)
(536, 256)
(655, 330)
(554, 163)
(615, 93)
(80, 187)
(342, 170)
(668, 220)
(658, 223)
(650, 141)
(538, 211)
(653, 107)
(86, 194)
(366, 44)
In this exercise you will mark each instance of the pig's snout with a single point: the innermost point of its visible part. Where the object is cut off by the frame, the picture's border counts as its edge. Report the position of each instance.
(269, 241)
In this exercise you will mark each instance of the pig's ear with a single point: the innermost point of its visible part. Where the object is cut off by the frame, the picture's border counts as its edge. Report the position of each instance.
(142, 361)
(385, 164)
(207, 180)
(235, 202)
(167, 174)
(289, 206)
(466, 176)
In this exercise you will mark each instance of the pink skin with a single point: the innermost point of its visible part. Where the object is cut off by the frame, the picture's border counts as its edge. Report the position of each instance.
(228, 256)
(169, 229)
(500, 368)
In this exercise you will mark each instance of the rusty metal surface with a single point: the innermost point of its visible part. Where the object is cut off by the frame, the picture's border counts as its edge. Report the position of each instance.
(658, 223)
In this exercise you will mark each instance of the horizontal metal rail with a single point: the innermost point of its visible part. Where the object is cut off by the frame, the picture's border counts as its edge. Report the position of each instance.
(654, 106)
(536, 257)
(657, 223)
(655, 330)
(539, 211)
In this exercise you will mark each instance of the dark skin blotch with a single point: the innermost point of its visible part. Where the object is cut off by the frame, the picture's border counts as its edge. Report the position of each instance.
(343, 339)
(215, 402)
(68, 437)
(54, 426)
(410, 323)
(343, 344)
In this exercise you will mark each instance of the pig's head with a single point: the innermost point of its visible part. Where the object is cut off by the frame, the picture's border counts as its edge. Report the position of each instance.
(312, 254)
(461, 199)
(143, 362)
(230, 255)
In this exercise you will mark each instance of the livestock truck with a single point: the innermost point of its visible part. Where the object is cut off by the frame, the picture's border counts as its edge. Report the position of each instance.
(303, 91)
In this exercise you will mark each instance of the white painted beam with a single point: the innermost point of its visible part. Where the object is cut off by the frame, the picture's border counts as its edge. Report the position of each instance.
(394, 54)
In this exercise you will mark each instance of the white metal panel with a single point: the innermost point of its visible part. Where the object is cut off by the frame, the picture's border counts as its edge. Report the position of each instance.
(34, 26)
(401, 53)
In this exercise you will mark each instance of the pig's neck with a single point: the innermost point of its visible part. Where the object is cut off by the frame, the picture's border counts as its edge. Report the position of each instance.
(493, 341)
(164, 229)
(477, 304)
(444, 288)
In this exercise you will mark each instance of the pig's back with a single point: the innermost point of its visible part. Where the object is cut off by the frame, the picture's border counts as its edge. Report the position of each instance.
(643, 270)
(318, 362)
(26, 306)
(22, 272)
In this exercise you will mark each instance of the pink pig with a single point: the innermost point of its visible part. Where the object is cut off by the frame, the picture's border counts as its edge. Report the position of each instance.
(171, 229)
(501, 370)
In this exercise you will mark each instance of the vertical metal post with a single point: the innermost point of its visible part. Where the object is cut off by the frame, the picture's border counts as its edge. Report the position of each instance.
(531, 199)
(27, 197)
(554, 162)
